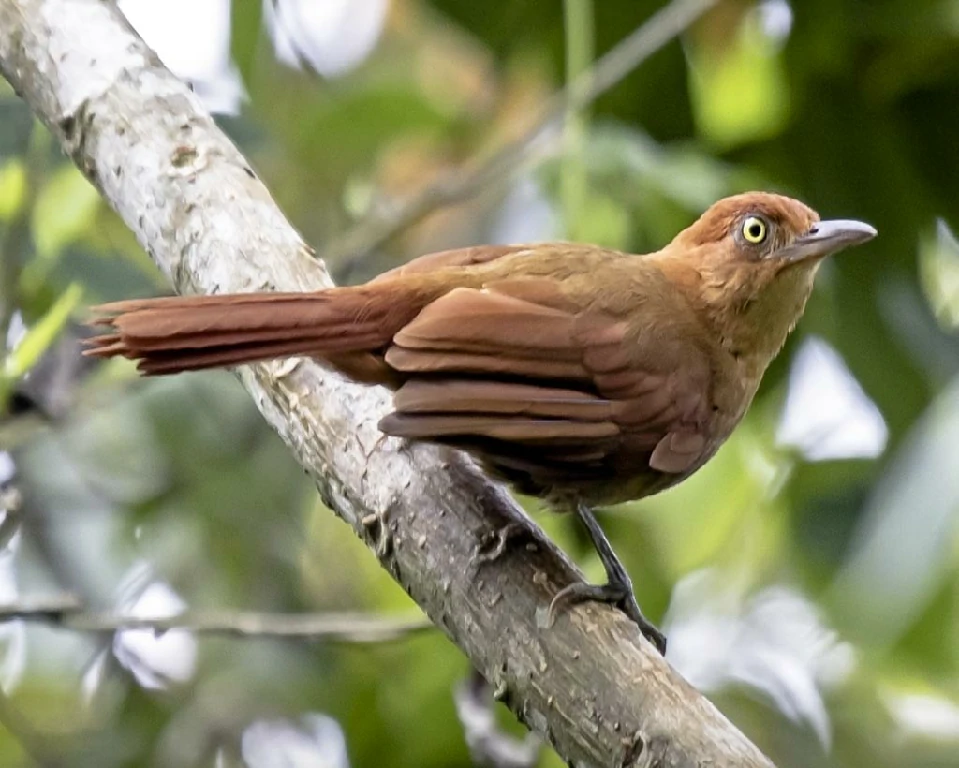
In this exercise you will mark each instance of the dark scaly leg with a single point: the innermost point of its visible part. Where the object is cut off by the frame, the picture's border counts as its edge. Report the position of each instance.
(617, 590)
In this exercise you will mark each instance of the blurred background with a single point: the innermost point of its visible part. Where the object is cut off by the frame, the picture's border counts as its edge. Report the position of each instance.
(808, 576)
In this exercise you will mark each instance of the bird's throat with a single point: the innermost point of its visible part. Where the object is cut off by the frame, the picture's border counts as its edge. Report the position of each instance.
(753, 317)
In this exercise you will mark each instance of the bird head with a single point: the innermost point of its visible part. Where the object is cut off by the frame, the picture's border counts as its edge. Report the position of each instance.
(749, 263)
(767, 234)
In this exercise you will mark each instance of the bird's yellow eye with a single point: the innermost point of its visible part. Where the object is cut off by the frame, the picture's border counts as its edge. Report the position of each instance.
(754, 229)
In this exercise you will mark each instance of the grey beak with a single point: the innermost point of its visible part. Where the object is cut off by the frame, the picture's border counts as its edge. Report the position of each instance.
(828, 237)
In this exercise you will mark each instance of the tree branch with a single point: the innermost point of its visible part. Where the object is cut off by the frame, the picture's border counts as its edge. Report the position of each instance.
(590, 684)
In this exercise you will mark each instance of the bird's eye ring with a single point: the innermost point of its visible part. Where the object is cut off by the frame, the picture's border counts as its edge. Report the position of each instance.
(754, 229)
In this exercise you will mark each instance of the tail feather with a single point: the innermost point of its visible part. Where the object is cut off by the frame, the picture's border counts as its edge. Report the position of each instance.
(175, 361)
(185, 333)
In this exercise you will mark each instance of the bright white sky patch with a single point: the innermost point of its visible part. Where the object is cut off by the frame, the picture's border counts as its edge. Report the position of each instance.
(192, 38)
(773, 642)
(7, 468)
(776, 18)
(926, 716)
(316, 741)
(156, 659)
(827, 413)
(333, 36)
(13, 645)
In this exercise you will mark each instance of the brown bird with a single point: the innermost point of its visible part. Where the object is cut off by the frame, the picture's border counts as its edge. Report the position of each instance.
(578, 374)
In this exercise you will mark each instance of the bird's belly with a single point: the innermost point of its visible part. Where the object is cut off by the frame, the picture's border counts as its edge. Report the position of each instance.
(619, 479)
(622, 475)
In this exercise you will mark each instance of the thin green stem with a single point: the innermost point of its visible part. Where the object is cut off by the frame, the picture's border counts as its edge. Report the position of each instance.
(579, 57)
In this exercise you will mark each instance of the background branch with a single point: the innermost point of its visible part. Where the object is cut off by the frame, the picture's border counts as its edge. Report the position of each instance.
(67, 612)
(386, 220)
(590, 684)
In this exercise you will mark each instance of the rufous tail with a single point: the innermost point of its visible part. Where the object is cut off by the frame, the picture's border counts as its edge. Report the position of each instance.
(189, 333)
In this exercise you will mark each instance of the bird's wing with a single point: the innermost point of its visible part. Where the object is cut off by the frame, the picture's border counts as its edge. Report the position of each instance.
(457, 257)
(477, 255)
(515, 373)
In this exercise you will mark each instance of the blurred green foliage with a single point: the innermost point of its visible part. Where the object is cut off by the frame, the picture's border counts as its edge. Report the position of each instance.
(850, 105)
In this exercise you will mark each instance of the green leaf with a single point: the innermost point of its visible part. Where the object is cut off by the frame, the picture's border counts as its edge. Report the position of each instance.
(66, 208)
(603, 220)
(740, 90)
(39, 338)
(939, 274)
(12, 187)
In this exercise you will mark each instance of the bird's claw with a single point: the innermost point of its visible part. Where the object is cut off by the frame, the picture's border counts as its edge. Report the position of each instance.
(619, 595)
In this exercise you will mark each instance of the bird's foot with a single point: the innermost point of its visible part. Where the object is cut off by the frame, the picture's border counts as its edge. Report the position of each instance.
(616, 593)
(495, 542)
(618, 590)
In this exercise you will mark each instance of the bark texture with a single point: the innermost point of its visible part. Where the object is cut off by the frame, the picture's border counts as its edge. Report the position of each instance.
(590, 684)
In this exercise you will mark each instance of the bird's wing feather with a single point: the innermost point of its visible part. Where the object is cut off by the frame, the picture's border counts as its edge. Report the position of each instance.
(480, 255)
(513, 370)
(457, 257)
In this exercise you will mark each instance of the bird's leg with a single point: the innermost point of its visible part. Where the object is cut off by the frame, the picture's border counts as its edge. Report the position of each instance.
(618, 589)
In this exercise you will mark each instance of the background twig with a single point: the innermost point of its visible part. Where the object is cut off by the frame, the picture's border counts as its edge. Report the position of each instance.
(387, 219)
(67, 612)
